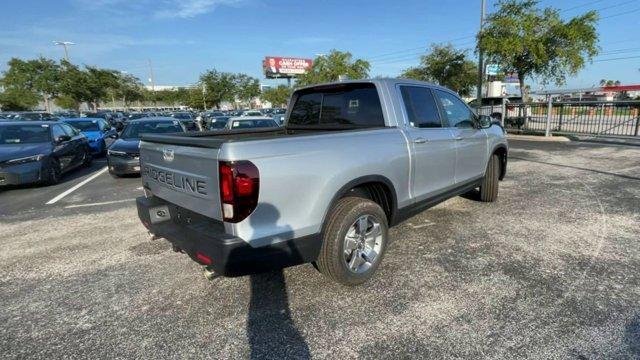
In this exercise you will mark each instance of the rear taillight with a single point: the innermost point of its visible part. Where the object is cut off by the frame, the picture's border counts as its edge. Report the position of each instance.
(239, 187)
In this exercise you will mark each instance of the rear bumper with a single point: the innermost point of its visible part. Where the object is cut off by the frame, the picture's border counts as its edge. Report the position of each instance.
(230, 256)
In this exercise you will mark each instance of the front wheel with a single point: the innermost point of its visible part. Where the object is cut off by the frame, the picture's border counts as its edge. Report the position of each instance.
(489, 187)
(52, 172)
(87, 158)
(354, 241)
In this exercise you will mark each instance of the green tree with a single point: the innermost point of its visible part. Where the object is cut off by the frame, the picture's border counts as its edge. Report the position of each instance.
(39, 76)
(18, 99)
(446, 66)
(72, 85)
(99, 82)
(246, 87)
(327, 68)
(277, 96)
(218, 87)
(538, 43)
(128, 88)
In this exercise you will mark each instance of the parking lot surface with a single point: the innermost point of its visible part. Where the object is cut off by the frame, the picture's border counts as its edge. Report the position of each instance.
(551, 270)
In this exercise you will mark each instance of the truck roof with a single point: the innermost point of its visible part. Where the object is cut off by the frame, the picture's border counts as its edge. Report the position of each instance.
(386, 81)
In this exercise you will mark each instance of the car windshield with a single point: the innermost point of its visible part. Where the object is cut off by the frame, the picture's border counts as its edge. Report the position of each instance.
(250, 124)
(133, 130)
(24, 134)
(218, 123)
(88, 125)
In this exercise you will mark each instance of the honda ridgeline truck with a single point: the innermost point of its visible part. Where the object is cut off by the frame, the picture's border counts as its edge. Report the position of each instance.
(353, 159)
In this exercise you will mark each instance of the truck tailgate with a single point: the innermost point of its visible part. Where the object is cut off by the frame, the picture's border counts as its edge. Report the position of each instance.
(186, 176)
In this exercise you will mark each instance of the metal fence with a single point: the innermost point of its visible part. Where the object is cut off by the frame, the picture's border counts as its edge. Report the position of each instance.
(610, 118)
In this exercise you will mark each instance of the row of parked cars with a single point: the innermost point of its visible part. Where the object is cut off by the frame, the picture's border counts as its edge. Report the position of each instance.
(38, 147)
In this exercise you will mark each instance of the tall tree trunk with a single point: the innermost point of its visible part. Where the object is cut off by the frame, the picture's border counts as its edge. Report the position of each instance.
(47, 106)
(523, 90)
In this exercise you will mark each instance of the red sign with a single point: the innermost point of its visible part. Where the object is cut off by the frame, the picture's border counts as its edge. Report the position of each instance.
(285, 66)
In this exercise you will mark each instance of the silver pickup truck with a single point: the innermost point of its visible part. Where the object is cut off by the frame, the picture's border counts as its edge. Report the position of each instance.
(353, 159)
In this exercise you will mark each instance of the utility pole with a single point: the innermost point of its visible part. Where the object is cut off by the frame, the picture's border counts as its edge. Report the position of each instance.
(152, 80)
(64, 45)
(480, 57)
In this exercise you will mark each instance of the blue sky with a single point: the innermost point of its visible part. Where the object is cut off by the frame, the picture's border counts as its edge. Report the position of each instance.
(185, 37)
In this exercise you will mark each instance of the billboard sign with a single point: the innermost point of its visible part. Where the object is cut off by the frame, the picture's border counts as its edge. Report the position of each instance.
(511, 77)
(283, 67)
(493, 69)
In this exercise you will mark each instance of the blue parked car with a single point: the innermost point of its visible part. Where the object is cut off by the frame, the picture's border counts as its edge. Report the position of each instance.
(97, 130)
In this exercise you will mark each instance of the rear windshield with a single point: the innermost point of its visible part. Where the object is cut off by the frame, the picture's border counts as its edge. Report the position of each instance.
(348, 105)
(133, 130)
(24, 134)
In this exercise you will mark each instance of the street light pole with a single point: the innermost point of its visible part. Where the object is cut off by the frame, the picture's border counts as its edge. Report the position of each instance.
(64, 45)
(480, 57)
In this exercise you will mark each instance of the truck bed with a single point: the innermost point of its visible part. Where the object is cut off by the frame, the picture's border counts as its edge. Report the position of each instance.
(215, 139)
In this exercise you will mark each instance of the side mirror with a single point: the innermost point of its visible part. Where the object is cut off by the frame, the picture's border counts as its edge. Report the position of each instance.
(63, 138)
(484, 121)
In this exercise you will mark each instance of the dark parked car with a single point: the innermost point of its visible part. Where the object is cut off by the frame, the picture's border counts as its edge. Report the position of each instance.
(97, 130)
(123, 154)
(35, 116)
(40, 151)
(251, 122)
(186, 119)
(218, 123)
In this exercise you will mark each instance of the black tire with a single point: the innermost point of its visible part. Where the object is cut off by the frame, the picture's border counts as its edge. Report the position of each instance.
(331, 261)
(489, 187)
(114, 175)
(103, 148)
(52, 172)
(88, 158)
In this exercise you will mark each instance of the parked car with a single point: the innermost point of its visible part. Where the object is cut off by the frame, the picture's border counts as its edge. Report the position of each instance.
(279, 119)
(253, 122)
(34, 116)
(353, 159)
(97, 130)
(218, 123)
(186, 119)
(123, 154)
(40, 151)
(251, 113)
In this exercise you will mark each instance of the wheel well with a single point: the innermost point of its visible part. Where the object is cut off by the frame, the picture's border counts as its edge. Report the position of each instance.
(502, 154)
(378, 192)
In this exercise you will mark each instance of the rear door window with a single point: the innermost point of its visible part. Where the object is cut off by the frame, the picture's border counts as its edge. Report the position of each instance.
(421, 107)
(349, 105)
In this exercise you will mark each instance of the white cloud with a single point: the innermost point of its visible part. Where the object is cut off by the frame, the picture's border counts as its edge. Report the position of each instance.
(191, 8)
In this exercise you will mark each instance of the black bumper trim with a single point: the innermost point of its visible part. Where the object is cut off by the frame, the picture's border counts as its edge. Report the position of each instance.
(231, 256)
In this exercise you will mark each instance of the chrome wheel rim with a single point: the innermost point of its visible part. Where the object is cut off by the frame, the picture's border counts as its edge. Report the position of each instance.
(362, 244)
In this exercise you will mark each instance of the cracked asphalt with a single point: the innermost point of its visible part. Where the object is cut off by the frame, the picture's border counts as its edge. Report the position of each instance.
(549, 271)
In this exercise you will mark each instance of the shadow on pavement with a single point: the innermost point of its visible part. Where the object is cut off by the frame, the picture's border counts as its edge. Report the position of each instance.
(577, 168)
(270, 328)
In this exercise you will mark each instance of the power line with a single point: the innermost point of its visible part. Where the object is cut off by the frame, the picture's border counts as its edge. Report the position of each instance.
(419, 47)
(620, 14)
(582, 5)
(618, 58)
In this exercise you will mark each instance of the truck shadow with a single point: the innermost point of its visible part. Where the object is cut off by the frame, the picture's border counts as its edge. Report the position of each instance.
(270, 328)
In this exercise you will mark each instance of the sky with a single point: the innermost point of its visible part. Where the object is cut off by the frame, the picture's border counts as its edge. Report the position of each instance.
(183, 38)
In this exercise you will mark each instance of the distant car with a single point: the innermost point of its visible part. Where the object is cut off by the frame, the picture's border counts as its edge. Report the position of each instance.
(34, 116)
(97, 130)
(246, 122)
(40, 151)
(252, 113)
(123, 154)
(279, 111)
(279, 119)
(186, 119)
(218, 123)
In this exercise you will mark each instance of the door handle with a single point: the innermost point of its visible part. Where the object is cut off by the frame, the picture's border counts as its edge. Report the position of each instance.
(420, 140)
(457, 138)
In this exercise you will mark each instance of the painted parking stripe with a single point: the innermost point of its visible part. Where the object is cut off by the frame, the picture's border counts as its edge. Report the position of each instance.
(99, 203)
(76, 187)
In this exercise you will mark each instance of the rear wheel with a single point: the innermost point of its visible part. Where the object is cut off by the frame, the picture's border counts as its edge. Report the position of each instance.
(52, 172)
(103, 148)
(489, 187)
(354, 241)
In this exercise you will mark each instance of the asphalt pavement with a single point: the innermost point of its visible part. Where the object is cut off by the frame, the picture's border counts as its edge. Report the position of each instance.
(549, 271)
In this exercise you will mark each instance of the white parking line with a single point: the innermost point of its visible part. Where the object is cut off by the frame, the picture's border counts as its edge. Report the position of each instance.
(76, 187)
(99, 203)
